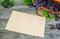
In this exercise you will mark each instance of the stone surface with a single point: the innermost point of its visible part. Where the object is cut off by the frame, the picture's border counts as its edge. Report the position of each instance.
(5, 14)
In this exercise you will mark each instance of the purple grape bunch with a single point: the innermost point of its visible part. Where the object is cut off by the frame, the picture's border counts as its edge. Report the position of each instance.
(36, 4)
(8, 5)
(47, 4)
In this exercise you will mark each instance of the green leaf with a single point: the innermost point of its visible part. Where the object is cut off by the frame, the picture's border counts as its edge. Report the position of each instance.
(13, 3)
(45, 12)
(26, 2)
(53, 17)
(47, 17)
(5, 2)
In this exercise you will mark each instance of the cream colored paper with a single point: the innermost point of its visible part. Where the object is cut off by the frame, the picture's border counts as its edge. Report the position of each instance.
(26, 23)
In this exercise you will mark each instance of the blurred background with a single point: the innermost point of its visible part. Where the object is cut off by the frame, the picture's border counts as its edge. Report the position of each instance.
(4, 17)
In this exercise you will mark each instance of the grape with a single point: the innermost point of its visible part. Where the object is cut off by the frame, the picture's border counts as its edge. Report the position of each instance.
(52, 7)
(8, 5)
(59, 8)
(30, 5)
(45, 4)
(49, 4)
(51, 14)
(57, 19)
(35, 2)
(40, 0)
(55, 8)
(39, 4)
(51, 25)
(58, 15)
(58, 26)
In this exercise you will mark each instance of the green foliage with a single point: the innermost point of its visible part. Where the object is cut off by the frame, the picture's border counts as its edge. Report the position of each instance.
(45, 12)
(5, 2)
(26, 2)
(13, 3)
(47, 17)
(53, 17)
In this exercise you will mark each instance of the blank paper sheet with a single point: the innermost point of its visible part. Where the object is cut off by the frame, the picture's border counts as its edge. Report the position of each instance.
(26, 23)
